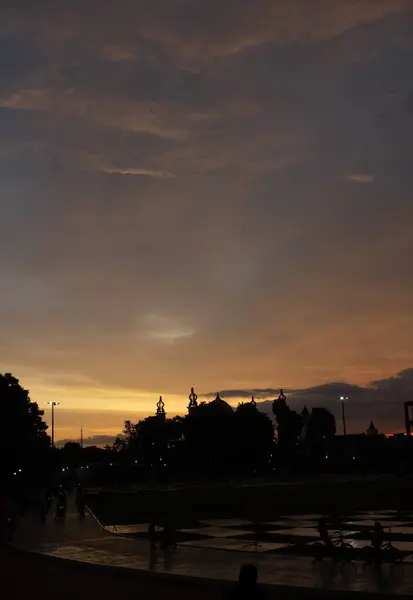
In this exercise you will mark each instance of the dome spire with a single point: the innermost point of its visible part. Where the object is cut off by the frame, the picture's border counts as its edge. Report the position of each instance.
(160, 408)
(193, 400)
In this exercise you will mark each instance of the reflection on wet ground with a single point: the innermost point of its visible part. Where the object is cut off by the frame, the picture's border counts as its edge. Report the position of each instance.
(82, 540)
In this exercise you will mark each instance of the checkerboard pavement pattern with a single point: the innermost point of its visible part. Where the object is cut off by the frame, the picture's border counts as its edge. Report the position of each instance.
(287, 534)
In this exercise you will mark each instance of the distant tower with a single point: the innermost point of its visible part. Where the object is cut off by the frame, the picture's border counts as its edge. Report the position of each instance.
(160, 408)
(253, 403)
(305, 413)
(408, 416)
(279, 403)
(81, 435)
(372, 429)
(193, 401)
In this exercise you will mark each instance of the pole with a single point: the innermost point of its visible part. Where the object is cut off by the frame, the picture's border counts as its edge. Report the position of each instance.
(53, 404)
(344, 417)
(52, 424)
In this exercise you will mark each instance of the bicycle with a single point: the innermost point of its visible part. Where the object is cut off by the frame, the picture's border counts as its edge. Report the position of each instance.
(337, 546)
(339, 541)
(386, 552)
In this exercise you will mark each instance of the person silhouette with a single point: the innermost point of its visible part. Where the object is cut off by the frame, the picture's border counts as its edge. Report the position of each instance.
(168, 537)
(80, 501)
(322, 529)
(247, 588)
(378, 536)
(61, 505)
(152, 535)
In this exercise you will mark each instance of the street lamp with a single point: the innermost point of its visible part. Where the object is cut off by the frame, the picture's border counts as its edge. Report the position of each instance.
(342, 399)
(53, 404)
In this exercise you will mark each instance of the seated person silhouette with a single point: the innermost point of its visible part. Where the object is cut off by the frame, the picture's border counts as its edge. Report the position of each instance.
(247, 588)
(378, 536)
(322, 529)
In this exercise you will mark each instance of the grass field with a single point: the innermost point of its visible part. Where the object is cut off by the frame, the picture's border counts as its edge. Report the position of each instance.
(187, 504)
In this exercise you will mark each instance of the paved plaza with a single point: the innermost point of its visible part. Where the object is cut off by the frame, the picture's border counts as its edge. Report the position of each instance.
(84, 541)
(288, 534)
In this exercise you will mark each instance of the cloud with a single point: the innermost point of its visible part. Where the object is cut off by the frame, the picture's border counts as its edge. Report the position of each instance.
(120, 112)
(360, 178)
(257, 393)
(93, 440)
(138, 172)
(192, 31)
(166, 329)
(380, 401)
(117, 54)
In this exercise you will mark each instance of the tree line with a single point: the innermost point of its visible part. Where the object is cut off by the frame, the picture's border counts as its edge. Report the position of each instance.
(212, 439)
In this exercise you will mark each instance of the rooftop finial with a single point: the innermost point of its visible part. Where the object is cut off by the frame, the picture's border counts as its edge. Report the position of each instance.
(193, 400)
(160, 408)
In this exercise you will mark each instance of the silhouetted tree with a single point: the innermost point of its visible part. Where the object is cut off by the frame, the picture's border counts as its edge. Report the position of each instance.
(120, 444)
(289, 425)
(320, 425)
(71, 453)
(24, 439)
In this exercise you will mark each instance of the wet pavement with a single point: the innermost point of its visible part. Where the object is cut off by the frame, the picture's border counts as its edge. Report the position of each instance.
(84, 541)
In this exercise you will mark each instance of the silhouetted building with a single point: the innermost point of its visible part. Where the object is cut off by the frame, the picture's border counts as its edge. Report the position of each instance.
(408, 416)
(372, 430)
(221, 405)
(282, 396)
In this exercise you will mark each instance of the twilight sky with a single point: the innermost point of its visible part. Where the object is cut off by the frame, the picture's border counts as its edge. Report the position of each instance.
(209, 193)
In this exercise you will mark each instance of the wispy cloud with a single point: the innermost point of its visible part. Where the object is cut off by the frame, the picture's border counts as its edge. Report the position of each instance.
(138, 172)
(364, 178)
(110, 111)
(195, 31)
(166, 329)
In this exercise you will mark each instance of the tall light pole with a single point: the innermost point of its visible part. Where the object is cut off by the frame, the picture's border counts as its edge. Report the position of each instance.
(53, 404)
(343, 399)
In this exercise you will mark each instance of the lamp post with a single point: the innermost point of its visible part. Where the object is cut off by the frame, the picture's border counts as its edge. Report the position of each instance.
(342, 399)
(53, 404)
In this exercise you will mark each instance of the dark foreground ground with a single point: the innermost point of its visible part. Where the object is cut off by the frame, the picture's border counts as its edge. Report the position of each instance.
(27, 576)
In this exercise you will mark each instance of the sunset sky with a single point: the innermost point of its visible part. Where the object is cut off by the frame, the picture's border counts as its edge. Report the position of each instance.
(208, 193)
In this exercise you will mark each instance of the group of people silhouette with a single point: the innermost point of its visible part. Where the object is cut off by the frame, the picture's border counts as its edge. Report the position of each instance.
(377, 539)
(45, 502)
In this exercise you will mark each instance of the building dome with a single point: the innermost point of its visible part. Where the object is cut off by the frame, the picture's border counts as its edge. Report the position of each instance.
(221, 405)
